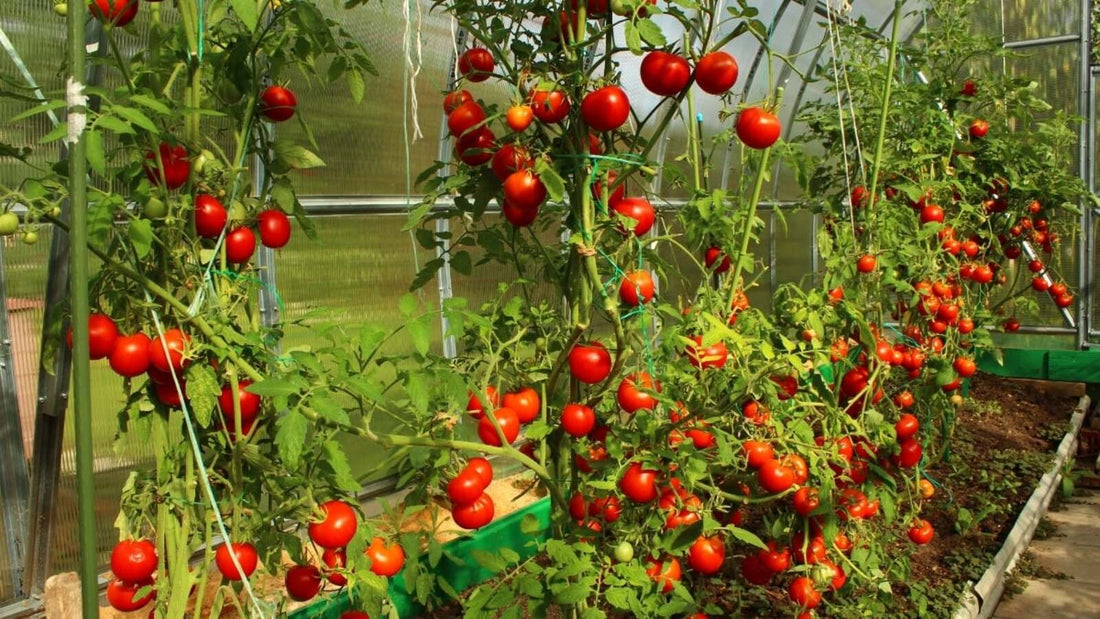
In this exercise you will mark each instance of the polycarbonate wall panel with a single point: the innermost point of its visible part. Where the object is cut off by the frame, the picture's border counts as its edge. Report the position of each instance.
(1035, 19)
(364, 144)
(38, 36)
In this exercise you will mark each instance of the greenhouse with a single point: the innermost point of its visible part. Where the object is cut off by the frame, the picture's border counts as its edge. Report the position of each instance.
(572, 308)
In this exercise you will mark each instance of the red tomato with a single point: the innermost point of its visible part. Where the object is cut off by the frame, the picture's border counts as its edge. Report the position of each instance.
(102, 336)
(169, 395)
(1057, 289)
(774, 477)
(246, 556)
(931, 214)
(758, 453)
(806, 501)
(754, 571)
(614, 197)
(665, 573)
(713, 356)
(639, 484)
(757, 129)
(1035, 266)
(577, 420)
(519, 117)
(115, 12)
(210, 216)
(866, 263)
(803, 592)
(475, 148)
(508, 160)
(969, 88)
(1040, 284)
(524, 189)
(303, 582)
(607, 508)
(803, 551)
(278, 103)
(907, 426)
(249, 402)
(715, 256)
(122, 595)
(777, 560)
(633, 399)
(131, 355)
(590, 363)
(176, 342)
(476, 514)
(274, 228)
(455, 99)
(385, 560)
(716, 73)
(239, 245)
(519, 216)
(466, 487)
(577, 506)
(483, 468)
(707, 554)
(665, 74)
(335, 559)
(910, 453)
(921, 532)
(134, 560)
(476, 407)
(354, 614)
(465, 117)
(550, 106)
(636, 288)
(605, 109)
(525, 402)
(798, 466)
(173, 159)
(904, 399)
(638, 209)
(966, 325)
(979, 129)
(337, 527)
(476, 64)
(965, 367)
(1063, 300)
(509, 425)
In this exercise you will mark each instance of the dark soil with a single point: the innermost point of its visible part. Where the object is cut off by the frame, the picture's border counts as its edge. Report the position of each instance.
(1004, 439)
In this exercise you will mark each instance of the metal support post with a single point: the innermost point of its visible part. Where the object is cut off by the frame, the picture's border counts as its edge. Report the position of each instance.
(14, 480)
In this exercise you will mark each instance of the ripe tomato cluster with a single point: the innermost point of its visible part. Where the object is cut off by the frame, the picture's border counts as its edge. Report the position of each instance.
(134, 563)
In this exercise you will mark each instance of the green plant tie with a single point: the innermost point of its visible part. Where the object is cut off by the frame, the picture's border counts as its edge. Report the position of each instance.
(236, 276)
(202, 29)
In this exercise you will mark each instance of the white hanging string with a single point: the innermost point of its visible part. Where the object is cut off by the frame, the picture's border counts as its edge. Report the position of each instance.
(413, 66)
(839, 103)
(834, 25)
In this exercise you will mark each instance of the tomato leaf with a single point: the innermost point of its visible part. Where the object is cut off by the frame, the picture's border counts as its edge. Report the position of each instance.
(573, 593)
(537, 430)
(747, 537)
(619, 597)
(460, 261)
(140, 232)
(291, 437)
(633, 38)
(55, 134)
(203, 391)
(112, 123)
(651, 33)
(555, 185)
(337, 460)
(248, 13)
(435, 551)
(421, 332)
(490, 561)
(136, 117)
(97, 157)
(151, 103)
(530, 525)
(272, 387)
(356, 85)
(45, 107)
(296, 156)
(408, 304)
(282, 192)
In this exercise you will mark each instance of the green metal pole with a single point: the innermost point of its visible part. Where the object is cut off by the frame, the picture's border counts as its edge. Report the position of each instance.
(81, 392)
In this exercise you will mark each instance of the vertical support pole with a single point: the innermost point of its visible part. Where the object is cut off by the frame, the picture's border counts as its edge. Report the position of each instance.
(773, 278)
(1087, 130)
(269, 304)
(78, 294)
(446, 291)
(14, 481)
(450, 348)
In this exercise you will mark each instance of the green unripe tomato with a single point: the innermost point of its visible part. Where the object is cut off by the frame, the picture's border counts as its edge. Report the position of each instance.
(30, 237)
(154, 208)
(55, 211)
(237, 212)
(624, 552)
(61, 9)
(9, 223)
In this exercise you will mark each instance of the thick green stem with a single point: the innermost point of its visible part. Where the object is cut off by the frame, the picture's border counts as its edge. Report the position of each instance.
(885, 110)
(746, 233)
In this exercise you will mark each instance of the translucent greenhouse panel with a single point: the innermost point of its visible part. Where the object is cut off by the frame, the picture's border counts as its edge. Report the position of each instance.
(481, 284)
(793, 238)
(25, 271)
(38, 36)
(364, 144)
(1031, 19)
(354, 273)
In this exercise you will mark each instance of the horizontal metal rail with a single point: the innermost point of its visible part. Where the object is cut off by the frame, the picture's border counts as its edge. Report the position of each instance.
(1055, 40)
